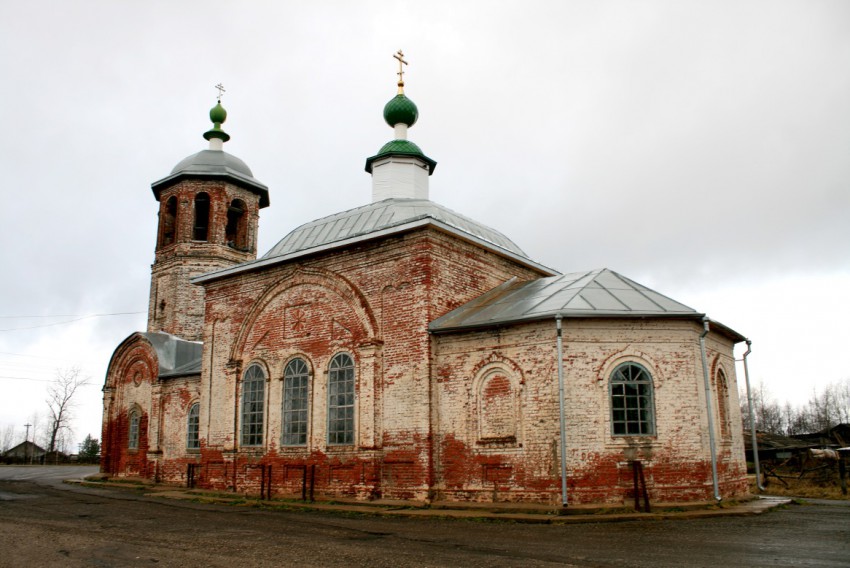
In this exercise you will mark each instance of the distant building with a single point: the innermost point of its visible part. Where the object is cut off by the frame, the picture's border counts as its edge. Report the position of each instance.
(402, 350)
(25, 452)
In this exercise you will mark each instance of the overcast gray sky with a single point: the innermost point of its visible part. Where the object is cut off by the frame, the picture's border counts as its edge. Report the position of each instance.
(699, 148)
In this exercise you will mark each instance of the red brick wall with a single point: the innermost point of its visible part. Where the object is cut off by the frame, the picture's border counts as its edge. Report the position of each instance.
(130, 383)
(373, 301)
(460, 416)
(176, 305)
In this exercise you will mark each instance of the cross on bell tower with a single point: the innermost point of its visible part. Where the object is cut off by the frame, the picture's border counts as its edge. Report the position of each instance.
(401, 62)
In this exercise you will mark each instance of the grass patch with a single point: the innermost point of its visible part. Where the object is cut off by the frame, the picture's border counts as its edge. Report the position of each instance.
(812, 488)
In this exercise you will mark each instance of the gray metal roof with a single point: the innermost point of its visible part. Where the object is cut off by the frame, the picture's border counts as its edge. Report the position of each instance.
(177, 357)
(214, 164)
(377, 220)
(385, 214)
(598, 293)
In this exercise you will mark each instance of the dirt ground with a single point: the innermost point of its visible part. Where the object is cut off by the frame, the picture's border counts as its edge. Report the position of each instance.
(46, 523)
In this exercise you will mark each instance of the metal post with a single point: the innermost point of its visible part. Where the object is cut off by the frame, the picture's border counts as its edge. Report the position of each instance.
(26, 441)
(562, 413)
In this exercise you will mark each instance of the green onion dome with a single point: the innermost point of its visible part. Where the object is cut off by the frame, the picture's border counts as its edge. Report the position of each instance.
(400, 110)
(217, 115)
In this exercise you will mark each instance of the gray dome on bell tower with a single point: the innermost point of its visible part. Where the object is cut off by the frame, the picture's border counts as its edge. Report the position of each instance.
(215, 163)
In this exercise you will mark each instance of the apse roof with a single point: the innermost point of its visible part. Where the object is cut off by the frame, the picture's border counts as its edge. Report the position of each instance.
(390, 216)
(177, 357)
(593, 294)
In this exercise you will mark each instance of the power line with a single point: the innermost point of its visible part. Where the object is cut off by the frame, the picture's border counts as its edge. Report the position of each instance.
(44, 357)
(67, 321)
(70, 315)
(42, 380)
(27, 379)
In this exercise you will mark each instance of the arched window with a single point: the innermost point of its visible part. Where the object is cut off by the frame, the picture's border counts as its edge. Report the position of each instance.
(341, 400)
(193, 440)
(168, 222)
(202, 217)
(722, 389)
(236, 232)
(631, 401)
(295, 378)
(133, 421)
(253, 402)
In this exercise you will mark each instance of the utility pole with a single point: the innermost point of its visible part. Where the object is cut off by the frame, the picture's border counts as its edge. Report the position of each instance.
(26, 440)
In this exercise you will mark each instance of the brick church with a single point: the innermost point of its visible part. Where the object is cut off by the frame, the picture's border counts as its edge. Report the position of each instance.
(401, 350)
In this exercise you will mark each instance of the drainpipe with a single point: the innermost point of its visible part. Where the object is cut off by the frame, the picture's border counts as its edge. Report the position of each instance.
(755, 445)
(562, 416)
(717, 496)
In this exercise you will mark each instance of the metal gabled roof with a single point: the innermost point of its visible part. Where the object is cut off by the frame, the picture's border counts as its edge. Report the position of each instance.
(598, 293)
(378, 220)
(384, 214)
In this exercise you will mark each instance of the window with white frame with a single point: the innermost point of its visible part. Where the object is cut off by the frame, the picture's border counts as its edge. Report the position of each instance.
(341, 400)
(631, 401)
(296, 378)
(253, 405)
(193, 440)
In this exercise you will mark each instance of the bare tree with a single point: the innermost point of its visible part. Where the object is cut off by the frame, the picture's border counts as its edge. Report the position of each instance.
(7, 437)
(60, 404)
(825, 409)
(768, 413)
(794, 420)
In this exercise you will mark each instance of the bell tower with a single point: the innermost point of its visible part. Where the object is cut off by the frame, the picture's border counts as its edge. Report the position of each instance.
(208, 214)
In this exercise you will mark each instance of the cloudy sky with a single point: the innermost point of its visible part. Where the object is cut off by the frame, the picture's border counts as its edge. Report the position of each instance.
(699, 148)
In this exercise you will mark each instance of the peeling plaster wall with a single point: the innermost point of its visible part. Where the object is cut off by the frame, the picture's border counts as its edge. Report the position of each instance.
(373, 301)
(459, 416)
(476, 466)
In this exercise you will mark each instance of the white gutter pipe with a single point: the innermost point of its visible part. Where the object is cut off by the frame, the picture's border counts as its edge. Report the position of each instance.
(708, 408)
(754, 440)
(563, 417)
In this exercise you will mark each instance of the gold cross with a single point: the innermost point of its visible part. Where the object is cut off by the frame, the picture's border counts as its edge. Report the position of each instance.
(400, 57)
(220, 88)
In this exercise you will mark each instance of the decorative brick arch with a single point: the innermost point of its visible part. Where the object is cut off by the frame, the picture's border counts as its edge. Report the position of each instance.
(628, 354)
(134, 355)
(720, 383)
(311, 366)
(716, 365)
(332, 282)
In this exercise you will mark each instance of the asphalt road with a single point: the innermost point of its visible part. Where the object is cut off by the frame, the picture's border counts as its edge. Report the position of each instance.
(46, 523)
